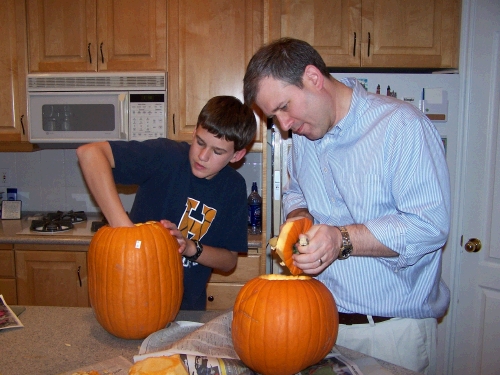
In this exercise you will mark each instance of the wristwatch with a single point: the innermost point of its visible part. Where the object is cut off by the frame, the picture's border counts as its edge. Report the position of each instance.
(346, 249)
(199, 250)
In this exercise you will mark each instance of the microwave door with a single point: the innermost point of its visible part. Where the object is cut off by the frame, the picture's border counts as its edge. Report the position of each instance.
(78, 117)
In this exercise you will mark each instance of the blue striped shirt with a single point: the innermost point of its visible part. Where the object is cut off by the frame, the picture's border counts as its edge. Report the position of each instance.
(383, 166)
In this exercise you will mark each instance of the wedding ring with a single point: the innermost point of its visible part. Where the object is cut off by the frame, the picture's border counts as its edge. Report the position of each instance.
(320, 262)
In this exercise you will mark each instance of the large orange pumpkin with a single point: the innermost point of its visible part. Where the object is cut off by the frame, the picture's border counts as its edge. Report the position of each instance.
(283, 324)
(135, 279)
(284, 244)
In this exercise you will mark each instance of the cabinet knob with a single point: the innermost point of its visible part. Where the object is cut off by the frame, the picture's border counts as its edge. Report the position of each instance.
(211, 298)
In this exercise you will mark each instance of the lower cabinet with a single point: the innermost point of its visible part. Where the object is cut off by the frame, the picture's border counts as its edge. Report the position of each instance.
(56, 275)
(8, 274)
(223, 288)
(51, 275)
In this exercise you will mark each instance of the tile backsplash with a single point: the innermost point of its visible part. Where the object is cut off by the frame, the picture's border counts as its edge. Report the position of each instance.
(51, 180)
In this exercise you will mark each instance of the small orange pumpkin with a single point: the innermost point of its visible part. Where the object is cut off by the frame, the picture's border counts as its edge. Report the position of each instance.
(288, 237)
(283, 324)
(135, 279)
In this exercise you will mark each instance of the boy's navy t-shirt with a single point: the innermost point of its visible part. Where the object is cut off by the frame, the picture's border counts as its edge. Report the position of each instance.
(212, 211)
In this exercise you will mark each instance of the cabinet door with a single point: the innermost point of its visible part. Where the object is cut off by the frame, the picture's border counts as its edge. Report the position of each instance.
(132, 35)
(210, 44)
(62, 35)
(12, 71)
(52, 278)
(410, 34)
(8, 274)
(332, 27)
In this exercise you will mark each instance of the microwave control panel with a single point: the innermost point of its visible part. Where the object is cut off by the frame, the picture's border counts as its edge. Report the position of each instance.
(147, 116)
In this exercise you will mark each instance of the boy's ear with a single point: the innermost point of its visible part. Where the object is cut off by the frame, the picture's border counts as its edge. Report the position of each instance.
(238, 155)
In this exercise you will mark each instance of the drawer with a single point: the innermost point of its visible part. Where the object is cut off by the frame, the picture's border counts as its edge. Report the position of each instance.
(7, 265)
(247, 268)
(221, 296)
(9, 291)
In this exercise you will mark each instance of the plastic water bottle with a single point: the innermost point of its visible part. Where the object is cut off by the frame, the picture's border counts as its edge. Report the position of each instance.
(254, 211)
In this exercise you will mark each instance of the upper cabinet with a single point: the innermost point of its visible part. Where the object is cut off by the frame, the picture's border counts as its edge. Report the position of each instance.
(373, 33)
(209, 46)
(13, 126)
(96, 35)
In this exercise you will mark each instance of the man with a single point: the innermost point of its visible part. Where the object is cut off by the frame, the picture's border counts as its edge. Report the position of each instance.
(189, 188)
(370, 171)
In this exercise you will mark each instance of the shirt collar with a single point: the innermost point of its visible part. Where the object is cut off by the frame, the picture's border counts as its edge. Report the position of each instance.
(358, 102)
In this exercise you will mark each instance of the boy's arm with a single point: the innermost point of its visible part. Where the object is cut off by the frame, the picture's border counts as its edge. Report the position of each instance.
(96, 161)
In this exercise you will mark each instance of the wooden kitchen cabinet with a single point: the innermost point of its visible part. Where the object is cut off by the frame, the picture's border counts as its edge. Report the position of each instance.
(222, 288)
(373, 33)
(209, 46)
(13, 125)
(8, 274)
(51, 275)
(96, 35)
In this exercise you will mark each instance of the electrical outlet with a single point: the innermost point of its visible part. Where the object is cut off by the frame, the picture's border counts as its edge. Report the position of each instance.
(4, 177)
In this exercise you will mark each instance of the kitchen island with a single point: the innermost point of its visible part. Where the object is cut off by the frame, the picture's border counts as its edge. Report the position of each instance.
(55, 340)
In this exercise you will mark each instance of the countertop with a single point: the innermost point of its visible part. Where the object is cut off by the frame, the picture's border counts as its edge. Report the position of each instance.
(10, 228)
(59, 339)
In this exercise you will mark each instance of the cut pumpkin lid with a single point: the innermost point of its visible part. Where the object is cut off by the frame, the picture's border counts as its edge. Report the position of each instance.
(284, 244)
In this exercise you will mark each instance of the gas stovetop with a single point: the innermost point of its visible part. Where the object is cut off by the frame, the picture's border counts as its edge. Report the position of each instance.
(69, 223)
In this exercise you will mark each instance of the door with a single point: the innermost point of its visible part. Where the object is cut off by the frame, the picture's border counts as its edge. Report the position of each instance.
(62, 35)
(475, 345)
(52, 278)
(12, 72)
(332, 27)
(409, 34)
(210, 44)
(97, 35)
(132, 35)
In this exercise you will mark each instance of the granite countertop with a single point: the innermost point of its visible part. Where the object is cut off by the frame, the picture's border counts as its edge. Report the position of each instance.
(9, 234)
(60, 339)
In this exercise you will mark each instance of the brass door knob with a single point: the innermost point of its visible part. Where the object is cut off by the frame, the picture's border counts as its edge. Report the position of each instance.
(473, 245)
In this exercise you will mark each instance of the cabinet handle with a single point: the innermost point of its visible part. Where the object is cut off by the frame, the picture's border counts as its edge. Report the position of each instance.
(211, 298)
(369, 41)
(173, 121)
(79, 278)
(102, 54)
(22, 125)
(354, 47)
(90, 54)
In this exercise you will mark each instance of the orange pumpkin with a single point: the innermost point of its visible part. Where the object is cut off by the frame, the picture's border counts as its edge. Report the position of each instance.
(283, 324)
(288, 237)
(135, 279)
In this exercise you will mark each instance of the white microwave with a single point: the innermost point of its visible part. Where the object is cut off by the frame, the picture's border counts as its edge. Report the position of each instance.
(91, 107)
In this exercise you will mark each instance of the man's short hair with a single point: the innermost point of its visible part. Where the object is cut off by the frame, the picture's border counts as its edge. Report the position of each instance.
(284, 59)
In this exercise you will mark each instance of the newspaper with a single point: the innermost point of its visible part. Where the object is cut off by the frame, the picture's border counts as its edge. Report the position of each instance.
(7, 317)
(207, 349)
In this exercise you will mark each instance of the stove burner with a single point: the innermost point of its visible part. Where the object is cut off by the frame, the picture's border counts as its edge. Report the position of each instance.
(58, 221)
(73, 216)
(48, 225)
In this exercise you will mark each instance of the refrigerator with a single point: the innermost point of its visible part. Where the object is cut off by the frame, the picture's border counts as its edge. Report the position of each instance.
(435, 94)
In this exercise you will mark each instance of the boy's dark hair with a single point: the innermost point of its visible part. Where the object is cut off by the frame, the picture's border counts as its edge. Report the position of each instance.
(228, 118)
(284, 59)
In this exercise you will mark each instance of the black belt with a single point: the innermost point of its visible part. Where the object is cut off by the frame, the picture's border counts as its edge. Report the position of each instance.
(350, 319)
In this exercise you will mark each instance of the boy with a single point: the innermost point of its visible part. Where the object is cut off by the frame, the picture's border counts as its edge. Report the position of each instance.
(190, 189)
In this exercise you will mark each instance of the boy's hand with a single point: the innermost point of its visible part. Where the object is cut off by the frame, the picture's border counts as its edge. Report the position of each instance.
(174, 231)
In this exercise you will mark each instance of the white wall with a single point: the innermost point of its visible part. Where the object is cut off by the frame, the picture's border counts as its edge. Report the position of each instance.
(50, 180)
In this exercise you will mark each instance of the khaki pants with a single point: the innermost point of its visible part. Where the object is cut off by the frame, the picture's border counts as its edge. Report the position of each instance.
(409, 343)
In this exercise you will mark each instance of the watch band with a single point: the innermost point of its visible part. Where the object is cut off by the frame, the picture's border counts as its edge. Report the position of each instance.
(199, 250)
(346, 249)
